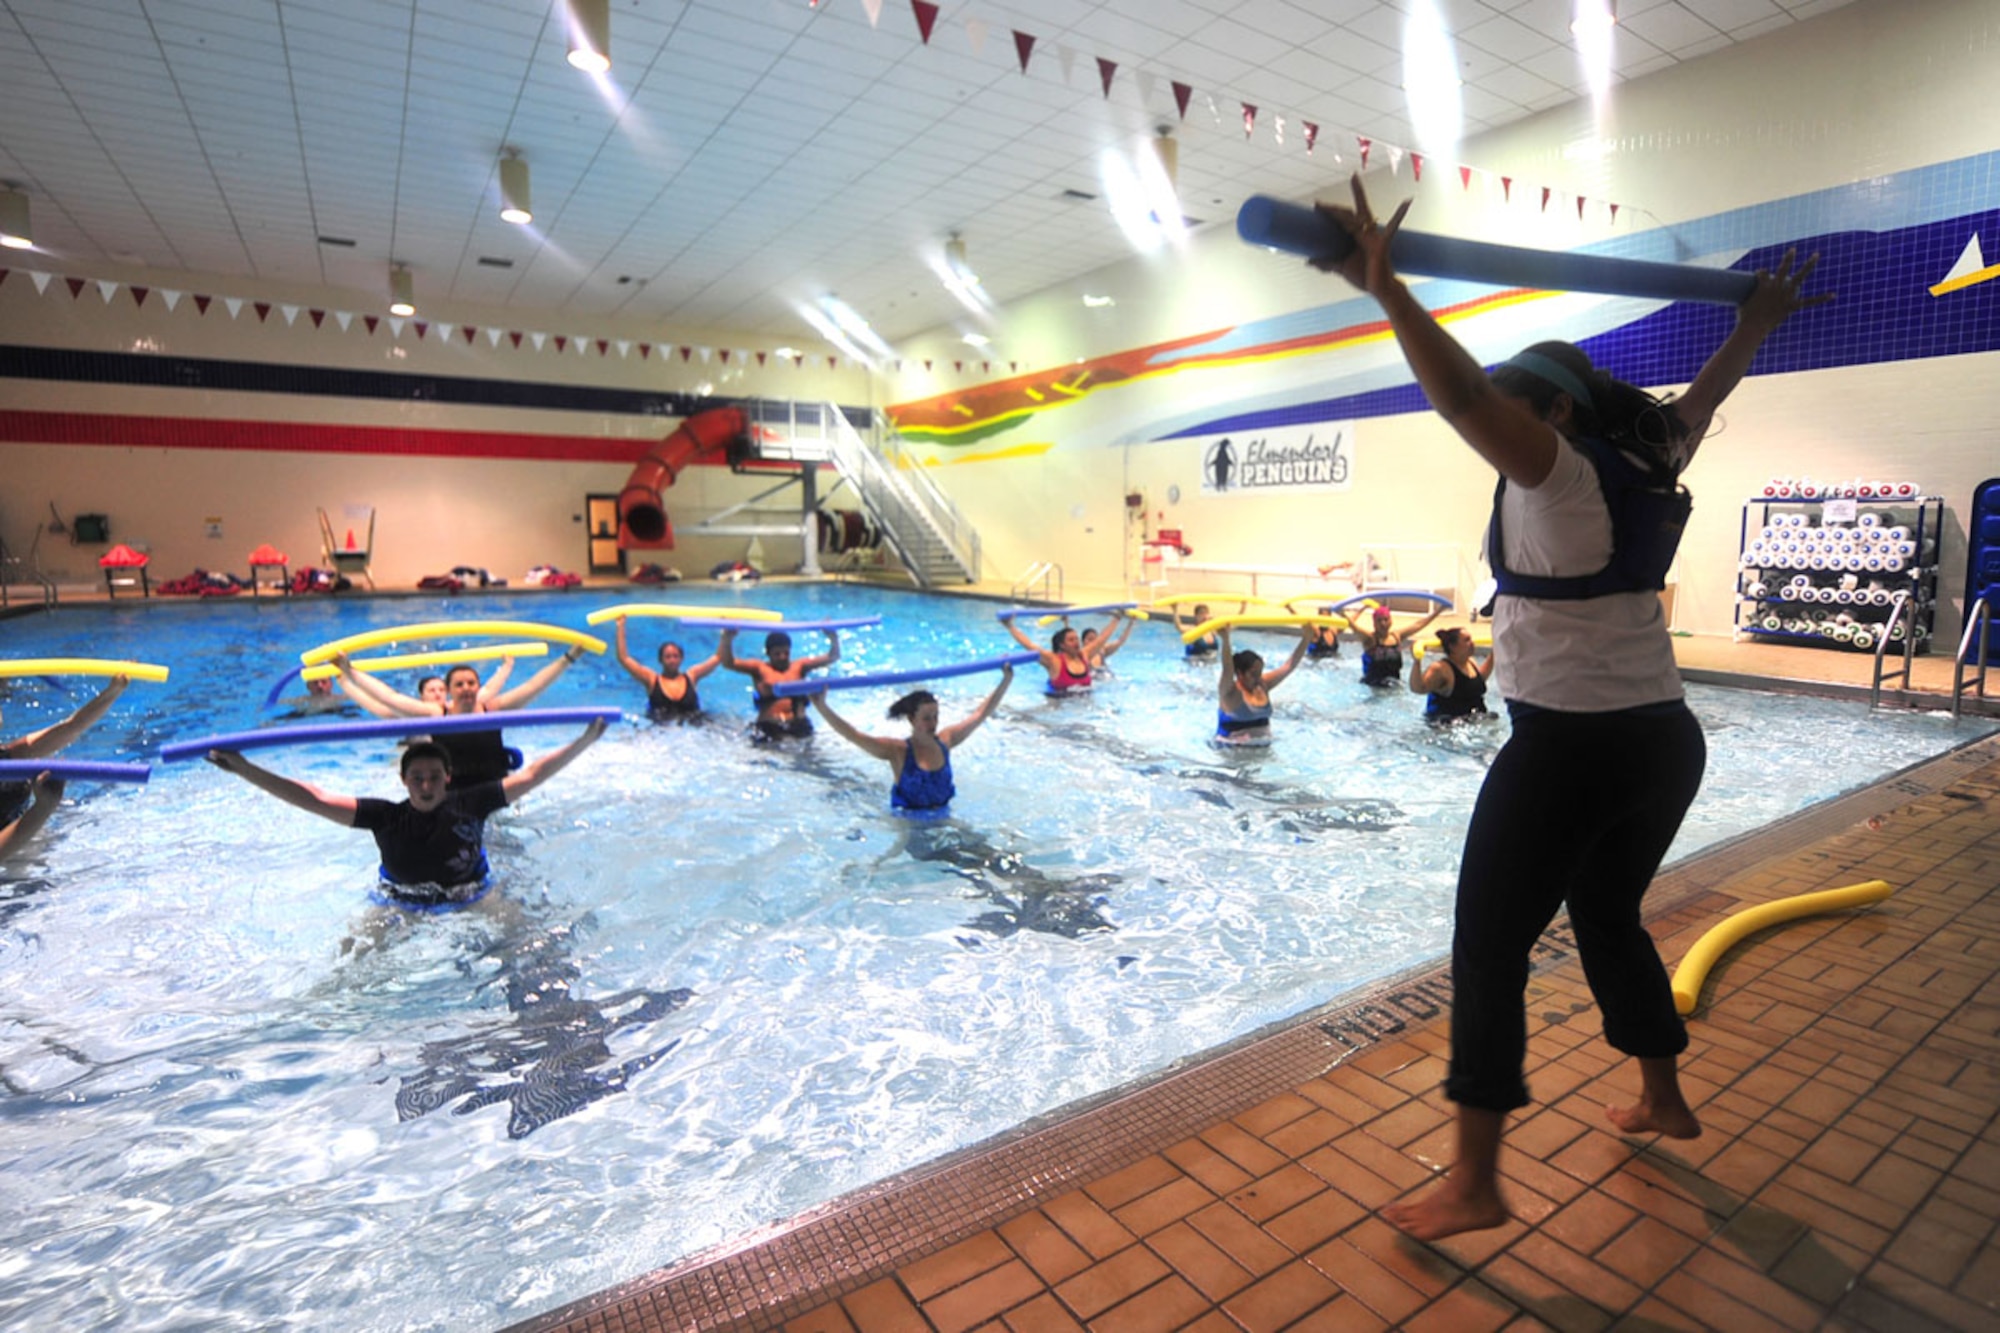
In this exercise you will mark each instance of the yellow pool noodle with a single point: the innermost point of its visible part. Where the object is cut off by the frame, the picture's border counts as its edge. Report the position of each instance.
(1482, 637)
(81, 666)
(442, 655)
(1720, 939)
(451, 629)
(675, 612)
(1207, 628)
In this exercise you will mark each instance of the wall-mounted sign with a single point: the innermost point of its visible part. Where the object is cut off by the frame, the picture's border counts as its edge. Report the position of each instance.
(1290, 458)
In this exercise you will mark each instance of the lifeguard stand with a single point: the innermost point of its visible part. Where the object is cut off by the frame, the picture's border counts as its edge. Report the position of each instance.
(125, 568)
(348, 557)
(270, 568)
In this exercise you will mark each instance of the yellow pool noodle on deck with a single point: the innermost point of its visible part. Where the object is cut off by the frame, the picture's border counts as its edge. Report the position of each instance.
(452, 629)
(81, 666)
(439, 657)
(1207, 628)
(1720, 939)
(676, 612)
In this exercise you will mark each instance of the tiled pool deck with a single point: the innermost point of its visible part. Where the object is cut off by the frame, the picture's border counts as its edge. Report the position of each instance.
(1846, 1068)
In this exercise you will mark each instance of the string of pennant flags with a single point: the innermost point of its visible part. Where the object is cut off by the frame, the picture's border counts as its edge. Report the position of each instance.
(437, 331)
(1308, 133)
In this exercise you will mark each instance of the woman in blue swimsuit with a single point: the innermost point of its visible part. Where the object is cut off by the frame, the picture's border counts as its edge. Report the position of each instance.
(1243, 695)
(922, 761)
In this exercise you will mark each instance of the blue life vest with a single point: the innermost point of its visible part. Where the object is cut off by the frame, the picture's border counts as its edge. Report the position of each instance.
(1649, 511)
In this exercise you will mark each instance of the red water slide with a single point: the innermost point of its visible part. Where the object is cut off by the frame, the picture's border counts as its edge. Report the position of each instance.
(642, 515)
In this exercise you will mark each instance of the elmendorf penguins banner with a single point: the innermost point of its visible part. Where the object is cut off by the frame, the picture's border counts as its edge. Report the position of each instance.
(1318, 457)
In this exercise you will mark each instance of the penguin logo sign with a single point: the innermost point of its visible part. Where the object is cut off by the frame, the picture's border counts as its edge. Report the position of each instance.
(1298, 458)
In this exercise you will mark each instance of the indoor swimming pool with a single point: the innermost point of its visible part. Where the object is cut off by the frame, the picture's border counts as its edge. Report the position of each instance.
(728, 985)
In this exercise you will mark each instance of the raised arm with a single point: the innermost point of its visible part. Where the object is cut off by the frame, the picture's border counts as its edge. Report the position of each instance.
(1047, 658)
(377, 697)
(311, 799)
(638, 670)
(882, 747)
(1225, 659)
(1775, 299)
(825, 659)
(53, 739)
(1423, 624)
(535, 684)
(489, 689)
(539, 770)
(956, 734)
(1273, 679)
(48, 793)
(725, 649)
(1112, 643)
(703, 667)
(1432, 679)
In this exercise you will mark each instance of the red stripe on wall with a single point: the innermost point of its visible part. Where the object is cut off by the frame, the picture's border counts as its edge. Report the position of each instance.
(296, 437)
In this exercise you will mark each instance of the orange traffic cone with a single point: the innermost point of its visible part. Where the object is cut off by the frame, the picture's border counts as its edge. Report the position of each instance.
(350, 539)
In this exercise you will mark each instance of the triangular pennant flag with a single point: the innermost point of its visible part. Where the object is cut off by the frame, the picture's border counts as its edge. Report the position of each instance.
(1312, 135)
(201, 303)
(445, 332)
(1249, 120)
(1614, 215)
(958, 366)
(233, 304)
(139, 294)
(874, 8)
(343, 318)
(927, 363)
(1366, 144)
(985, 367)
(975, 37)
(1395, 159)
(5, 271)
(76, 286)
(1465, 178)
(926, 13)
(1148, 85)
(645, 350)
(263, 309)
(1579, 208)
(107, 289)
(538, 339)
(706, 353)
(1068, 58)
(760, 357)
(833, 363)
(470, 333)
(603, 346)
(725, 356)
(624, 348)
(1507, 189)
(1024, 44)
(1546, 192)
(514, 336)
(1416, 166)
(423, 327)
(41, 281)
(1182, 92)
(493, 336)
(290, 312)
(396, 326)
(318, 317)
(562, 342)
(171, 297)
(581, 343)
(372, 321)
(687, 353)
(1278, 130)
(1013, 367)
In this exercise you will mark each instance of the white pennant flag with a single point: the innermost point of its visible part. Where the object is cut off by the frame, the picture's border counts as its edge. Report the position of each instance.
(1068, 58)
(624, 345)
(107, 289)
(581, 343)
(395, 326)
(1395, 159)
(1278, 128)
(41, 280)
(706, 352)
(290, 312)
(975, 33)
(234, 304)
(538, 339)
(1148, 85)
(493, 337)
(172, 298)
(444, 333)
(874, 8)
(343, 318)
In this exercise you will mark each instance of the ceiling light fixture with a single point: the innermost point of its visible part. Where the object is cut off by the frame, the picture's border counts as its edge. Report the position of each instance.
(402, 291)
(954, 271)
(16, 231)
(1592, 28)
(1593, 14)
(589, 34)
(516, 201)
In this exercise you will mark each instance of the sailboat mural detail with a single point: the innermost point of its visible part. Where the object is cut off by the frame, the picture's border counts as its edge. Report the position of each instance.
(1970, 269)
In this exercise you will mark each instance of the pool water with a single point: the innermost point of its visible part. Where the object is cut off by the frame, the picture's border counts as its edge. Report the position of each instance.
(726, 983)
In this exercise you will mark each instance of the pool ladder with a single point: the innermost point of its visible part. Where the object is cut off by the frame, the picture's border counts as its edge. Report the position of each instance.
(15, 569)
(1978, 625)
(1040, 575)
(1902, 611)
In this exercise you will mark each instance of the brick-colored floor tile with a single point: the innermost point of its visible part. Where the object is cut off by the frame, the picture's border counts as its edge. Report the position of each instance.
(1342, 1314)
(1308, 1132)
(1594, 1281)
(826, 1319)
(1899, 1181)
(1646, 1252)
(1589, 1221)
(884, 1307)
(1430, 1271)
(1101, 1286)
(1330, 1092)
(1956, 1309)
(1817, 1269)
(1755, 1289)
(1239, 1238)
(1053, 1255)
(1314, 1221)
(1043, 1314)
(983, 1298)
(1542, 1298)
(1199, 1260)
(1168, 1204)
(1166, 1305)
(1367, 1281)
(1272, 1302)
(1839, 1155)
(1350, 1177)
(1544, 1134)
(1121, 1187)
(1096, 1231)
(1469, 1307)
(1714, 1307)
(1385, 1160)
(1264, 1119)
(1245, 1150)
(1217, 1174)
(961, 1263)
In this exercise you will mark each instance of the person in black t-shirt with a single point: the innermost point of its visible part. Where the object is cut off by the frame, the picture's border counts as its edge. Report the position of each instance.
(432, 843)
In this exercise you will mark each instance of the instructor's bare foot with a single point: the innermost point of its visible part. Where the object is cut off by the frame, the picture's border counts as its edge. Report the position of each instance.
(1448, 1210)
(1674, 1120)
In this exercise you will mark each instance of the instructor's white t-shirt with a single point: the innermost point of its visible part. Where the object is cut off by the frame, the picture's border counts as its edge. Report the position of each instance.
(1590, 656)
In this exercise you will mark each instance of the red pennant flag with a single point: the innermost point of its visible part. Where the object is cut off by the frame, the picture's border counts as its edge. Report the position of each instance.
(603, 347)
(645, 350)
(468, 331)
(1023, 43)
(1366, 144)
(926, 18)
(263, 309)
(958, 366)
(318, 317)
(75, 287)
(562, 341)
(1416, 166)
(514, 336)
(927, 363)
(1614, 215)
(371, 321)
(1249, 120)
(986, 367)
(201, 302)
(1182, 91)
(3, 276)
(760, 357)
(1546, 192)
(725, 356)
(423, 327)
(139, 294)
(1312, 135)
(1465, 177)
(686, 352)
(832, 362)
(1507, 189)
(1106, 71)
(1579, 208)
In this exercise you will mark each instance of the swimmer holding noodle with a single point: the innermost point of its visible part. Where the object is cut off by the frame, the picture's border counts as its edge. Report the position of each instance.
(922, 762)
(26, 806)
(1604, 757)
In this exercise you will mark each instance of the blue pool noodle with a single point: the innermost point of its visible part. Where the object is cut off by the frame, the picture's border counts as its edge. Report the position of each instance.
(27, 770)
(1306, 231)
(1406, 593)
(788, 689)
(267, 737)
(771, 626)
(1012, 612)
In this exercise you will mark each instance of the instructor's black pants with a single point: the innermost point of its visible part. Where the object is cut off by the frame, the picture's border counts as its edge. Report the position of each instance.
(1578, 809)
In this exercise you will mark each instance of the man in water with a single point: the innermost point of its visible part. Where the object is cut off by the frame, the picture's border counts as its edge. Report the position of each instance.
(777, 718)
(432, 843)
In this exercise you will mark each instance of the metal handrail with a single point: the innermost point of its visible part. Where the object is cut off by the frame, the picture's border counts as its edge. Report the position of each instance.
(1039, 572)
(1903, 609)
(1978, 620)
(904, 500)
(34, 576)
(951, 523)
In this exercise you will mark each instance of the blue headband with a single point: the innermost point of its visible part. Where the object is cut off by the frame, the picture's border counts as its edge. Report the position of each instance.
(1534, 363)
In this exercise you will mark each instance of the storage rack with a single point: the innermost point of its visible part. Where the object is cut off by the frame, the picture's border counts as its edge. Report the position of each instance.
(1833, 584)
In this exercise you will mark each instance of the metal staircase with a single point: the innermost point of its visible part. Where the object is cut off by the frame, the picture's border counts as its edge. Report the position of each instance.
(916, 520)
